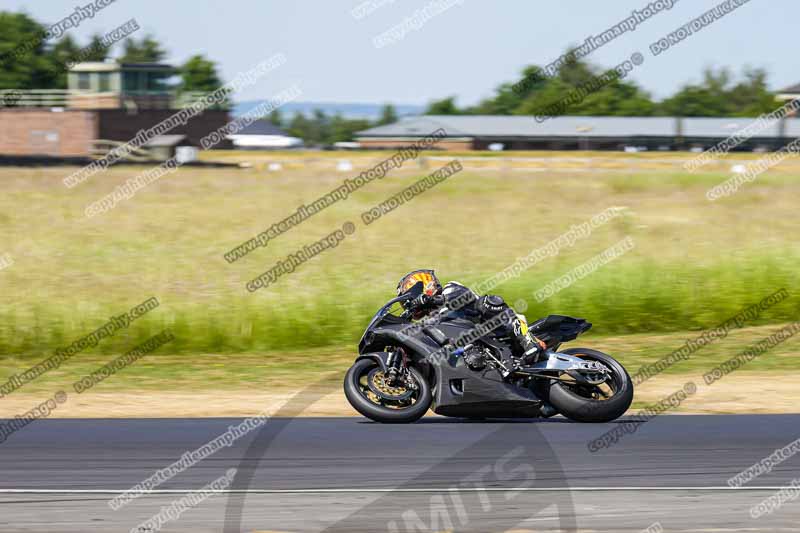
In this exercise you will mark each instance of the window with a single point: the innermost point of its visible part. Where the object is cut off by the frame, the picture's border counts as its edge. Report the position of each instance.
(104, 85)
(83, 81)
(130, 81)
(157, 81)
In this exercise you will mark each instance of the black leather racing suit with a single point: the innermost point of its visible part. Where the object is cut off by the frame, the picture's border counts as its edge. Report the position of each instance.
(479, 309)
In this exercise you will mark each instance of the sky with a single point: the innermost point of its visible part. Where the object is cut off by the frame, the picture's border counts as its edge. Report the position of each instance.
(466, 50)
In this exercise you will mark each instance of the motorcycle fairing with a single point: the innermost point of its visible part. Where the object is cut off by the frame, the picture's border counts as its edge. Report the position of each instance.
(460, 391)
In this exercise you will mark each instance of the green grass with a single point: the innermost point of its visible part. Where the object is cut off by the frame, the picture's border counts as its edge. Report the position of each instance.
(630, 295)
(278, 371)
(694, 265)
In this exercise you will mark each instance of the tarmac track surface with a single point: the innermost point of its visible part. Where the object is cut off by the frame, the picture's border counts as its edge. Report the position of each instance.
(348, 474)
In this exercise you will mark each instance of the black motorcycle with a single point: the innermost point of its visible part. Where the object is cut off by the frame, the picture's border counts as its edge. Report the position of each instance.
(464, 369)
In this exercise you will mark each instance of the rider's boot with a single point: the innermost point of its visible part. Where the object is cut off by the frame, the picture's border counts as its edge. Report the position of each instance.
(529, 347)
(526, 349)
(531, 350)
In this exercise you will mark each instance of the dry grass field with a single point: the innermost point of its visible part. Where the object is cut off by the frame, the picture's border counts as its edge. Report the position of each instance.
(694, 264)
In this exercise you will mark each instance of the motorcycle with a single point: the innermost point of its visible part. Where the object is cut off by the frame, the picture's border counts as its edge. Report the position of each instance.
(450, 364)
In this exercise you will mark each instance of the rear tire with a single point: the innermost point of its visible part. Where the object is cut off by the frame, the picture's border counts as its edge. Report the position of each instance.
(379, 413)
(582, 409)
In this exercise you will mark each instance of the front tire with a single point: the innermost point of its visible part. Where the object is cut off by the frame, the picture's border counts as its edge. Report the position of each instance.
(579, 404)
(359, 398)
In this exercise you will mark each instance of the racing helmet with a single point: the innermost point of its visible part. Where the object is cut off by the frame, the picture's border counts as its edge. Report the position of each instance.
(430, 283)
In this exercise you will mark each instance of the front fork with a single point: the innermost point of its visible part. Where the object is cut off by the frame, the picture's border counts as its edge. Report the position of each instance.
(397, 368)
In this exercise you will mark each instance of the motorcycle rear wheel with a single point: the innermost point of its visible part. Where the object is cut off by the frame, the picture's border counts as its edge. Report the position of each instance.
(368, 403)
(583, 403)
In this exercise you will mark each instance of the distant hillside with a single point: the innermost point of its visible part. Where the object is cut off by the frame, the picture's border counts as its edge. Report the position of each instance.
(352, 111)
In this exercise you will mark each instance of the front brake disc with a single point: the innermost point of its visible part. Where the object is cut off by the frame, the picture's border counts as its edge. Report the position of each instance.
(377, 381)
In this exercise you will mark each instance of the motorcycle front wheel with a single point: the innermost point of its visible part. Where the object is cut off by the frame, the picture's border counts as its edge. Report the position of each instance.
(593, 403)
(367, 389)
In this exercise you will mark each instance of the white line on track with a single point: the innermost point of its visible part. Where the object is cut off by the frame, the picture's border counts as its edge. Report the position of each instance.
(398, 490)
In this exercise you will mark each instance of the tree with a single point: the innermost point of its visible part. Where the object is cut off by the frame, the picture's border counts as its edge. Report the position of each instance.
(694, 101)
(509, 97)
(24, 62)
(96, 49)
(64, 53)
(446, 106)
(576, 72)
(342, 129)
(597, 94)
(707, 99)
(388, 115)
(751, 97)
(618, 98)
(717, 96)
(300, 127)
(199, 74)
(275, 118)
(147, 50)
(542, 100)
(322, 130)
(320, 127)
(579, 88)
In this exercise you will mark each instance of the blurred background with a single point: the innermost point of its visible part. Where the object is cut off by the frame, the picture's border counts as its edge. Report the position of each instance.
(373, 77)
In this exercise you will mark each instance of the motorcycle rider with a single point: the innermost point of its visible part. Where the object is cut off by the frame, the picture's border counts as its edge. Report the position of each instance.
(461, 299)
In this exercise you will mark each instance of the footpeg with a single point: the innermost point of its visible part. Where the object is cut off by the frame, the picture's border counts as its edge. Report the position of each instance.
(547, 410)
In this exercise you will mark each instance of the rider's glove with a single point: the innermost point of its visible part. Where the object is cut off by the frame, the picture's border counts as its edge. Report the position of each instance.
(421, 301)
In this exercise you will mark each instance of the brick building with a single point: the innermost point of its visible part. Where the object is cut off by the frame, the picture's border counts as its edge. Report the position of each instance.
(105, 104)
